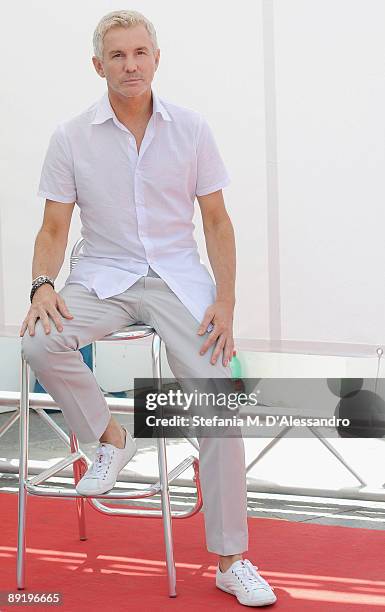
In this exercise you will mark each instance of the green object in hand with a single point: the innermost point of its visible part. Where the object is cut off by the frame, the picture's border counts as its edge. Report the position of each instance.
(235, 366)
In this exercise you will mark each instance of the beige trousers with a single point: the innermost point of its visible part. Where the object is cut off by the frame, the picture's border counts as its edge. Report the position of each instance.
(58, 364)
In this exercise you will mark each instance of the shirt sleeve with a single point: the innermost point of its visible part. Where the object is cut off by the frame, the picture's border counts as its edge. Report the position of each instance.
(57, 180)
(211, 171)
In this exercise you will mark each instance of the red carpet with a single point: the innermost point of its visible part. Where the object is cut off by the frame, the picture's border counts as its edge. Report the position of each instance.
(314, 568)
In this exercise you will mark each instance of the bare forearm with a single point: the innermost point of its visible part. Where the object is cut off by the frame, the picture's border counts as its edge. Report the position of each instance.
(48, 255)
(220, 242)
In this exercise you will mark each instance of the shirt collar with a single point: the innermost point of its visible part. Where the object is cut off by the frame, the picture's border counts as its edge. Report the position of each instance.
(105, 111)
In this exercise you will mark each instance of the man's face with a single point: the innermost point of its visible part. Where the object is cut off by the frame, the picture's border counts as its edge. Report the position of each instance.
(128, 62)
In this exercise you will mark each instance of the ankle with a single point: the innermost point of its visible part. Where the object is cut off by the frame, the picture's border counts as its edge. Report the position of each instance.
(118, 440)
(226, 561)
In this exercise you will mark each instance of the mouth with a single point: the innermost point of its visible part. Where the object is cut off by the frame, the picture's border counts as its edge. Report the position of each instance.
(132, 81)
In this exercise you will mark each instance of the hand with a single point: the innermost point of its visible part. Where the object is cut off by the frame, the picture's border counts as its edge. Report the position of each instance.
(221, 315)
(45, 302)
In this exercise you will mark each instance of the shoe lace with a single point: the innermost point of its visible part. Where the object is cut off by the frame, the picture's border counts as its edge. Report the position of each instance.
(248, 575)
(101, 461)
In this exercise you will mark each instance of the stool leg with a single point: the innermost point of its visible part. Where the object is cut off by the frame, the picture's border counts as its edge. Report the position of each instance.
(163, 477)
(80, 501)
(166, 514)
(23, 473)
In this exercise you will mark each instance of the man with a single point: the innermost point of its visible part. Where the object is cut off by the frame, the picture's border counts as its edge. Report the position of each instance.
(134, 164)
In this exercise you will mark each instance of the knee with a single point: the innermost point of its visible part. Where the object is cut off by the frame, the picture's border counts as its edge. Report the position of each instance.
(37, 349)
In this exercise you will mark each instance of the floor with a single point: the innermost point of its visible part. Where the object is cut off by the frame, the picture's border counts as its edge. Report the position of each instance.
(44, 445)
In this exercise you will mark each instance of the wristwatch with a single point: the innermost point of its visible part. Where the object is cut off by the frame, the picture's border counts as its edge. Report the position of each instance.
(38, 282)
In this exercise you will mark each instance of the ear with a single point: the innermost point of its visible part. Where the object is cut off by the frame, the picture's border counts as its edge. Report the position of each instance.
(157, 58)
(98, 64)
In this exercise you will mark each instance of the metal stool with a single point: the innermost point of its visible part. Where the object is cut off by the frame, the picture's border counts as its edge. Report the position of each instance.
(80, 462)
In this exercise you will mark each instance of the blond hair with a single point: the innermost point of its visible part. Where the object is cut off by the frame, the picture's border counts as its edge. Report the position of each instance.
(125, 19)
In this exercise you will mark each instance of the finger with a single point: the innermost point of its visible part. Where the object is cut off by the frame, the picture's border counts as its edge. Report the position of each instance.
(205, 322)
(23, 327)
(228, 351)
(214, 335)
(45, 322)
(209, 341)
(31, 324)
(56, 319)
(218, 349)
(64, 310)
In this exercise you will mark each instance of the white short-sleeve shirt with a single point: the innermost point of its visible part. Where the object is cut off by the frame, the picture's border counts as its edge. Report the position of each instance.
(136, 210)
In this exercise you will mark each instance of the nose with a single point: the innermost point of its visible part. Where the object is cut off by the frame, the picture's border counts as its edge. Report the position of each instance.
(130, 64)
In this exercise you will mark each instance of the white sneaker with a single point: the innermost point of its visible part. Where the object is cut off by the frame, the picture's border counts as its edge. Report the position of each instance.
(243, 581)
(109, 461)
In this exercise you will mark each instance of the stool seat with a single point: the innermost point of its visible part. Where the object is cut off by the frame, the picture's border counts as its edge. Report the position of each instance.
(130, 332)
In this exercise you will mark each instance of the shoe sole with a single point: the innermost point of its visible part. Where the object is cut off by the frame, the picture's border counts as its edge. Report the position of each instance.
(259, 605)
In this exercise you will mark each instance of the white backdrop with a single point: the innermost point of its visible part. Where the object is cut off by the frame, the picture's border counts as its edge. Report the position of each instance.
(294, 92)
